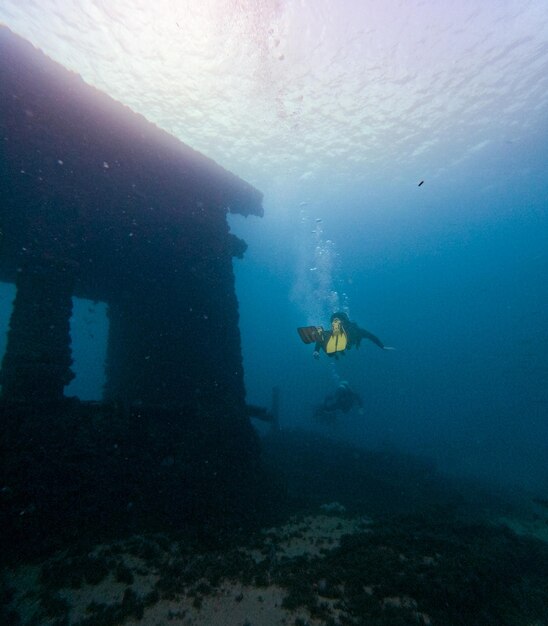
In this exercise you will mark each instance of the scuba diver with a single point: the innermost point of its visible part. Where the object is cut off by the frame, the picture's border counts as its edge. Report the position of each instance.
(344, 399)
(343, 335)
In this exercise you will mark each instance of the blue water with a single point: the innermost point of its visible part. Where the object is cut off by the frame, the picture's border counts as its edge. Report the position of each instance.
(336, 111)
(455, 279)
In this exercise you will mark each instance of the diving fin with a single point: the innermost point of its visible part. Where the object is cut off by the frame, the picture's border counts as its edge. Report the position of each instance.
(310, 334)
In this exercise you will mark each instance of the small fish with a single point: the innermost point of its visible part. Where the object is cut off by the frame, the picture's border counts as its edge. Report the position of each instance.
(318, 219)
(422, 181)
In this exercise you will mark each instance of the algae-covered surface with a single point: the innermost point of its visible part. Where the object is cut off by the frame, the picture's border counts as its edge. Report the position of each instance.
(322, 568)
(400, 545)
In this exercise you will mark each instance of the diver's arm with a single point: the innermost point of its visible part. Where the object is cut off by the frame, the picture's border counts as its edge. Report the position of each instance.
(317, 347)
(365, 334)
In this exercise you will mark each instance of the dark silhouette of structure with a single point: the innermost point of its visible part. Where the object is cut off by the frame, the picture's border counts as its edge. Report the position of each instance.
(97, 202)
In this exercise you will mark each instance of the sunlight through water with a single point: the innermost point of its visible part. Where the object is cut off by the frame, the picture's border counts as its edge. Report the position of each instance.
(286, 92)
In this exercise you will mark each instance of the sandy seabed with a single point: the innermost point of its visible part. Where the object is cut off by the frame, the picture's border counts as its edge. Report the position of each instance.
(231, 603)
(321, 569)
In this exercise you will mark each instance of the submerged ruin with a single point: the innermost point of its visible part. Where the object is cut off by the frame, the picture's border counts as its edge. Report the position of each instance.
(99, 203)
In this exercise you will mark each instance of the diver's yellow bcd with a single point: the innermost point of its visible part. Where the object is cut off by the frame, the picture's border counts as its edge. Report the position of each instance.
(336, 343)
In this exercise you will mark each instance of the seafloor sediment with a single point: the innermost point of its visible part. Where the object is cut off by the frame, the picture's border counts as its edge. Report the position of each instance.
(322, 569)
(444, 559)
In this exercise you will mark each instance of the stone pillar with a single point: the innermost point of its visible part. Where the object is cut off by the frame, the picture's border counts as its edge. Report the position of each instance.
(174, 338)
(152, 355)
(178, 342)
(36, 366)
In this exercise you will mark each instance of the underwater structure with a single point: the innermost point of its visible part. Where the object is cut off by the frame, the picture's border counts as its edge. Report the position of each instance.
(96, 202)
